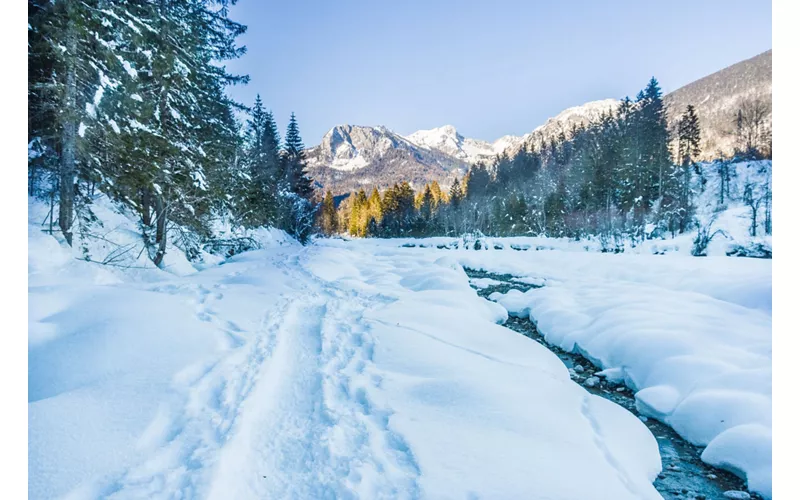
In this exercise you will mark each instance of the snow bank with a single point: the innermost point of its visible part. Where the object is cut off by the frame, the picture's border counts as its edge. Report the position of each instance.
(113, 349)
(109, 233)
(692, 336)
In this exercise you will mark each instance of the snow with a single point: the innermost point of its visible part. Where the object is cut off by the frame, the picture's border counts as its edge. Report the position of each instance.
(484, 282)
(365, 369)
(585, 112)
(447, 140)
(338, 370)
(126, 65)
(349, 164)
(691, 335)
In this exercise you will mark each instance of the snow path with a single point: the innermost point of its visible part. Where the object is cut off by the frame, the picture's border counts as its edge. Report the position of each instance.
(322, 372)
(284, 416)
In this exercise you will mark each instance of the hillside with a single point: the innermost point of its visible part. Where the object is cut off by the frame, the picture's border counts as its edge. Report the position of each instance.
(564, 122)
(717, 98)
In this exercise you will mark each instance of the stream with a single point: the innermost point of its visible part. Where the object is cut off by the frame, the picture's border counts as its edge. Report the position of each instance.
(683, 474)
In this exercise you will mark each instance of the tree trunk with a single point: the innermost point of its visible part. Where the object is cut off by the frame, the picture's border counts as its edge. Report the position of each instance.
(31, 179)
(161, 230)
(66, 189)
(147, 203)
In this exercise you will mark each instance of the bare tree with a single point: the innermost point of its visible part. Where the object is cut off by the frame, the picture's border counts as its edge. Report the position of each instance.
(754, 127)
(753, 200)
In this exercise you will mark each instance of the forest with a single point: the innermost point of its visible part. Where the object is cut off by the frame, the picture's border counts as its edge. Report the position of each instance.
(129, 99)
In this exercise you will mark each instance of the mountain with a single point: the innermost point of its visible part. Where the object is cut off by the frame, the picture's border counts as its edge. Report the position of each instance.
(717, 98)
(447, 140)
(564, 122)
(351, 157)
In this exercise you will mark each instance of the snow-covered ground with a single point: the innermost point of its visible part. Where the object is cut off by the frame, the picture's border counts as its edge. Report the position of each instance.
(691, 335)
(332, 371)
(362, 369)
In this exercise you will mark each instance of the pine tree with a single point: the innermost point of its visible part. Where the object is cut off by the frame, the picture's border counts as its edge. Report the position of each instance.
(688, 151)
(184, 131)
(456, 194)
(328, 218)
(358, 215)
(438, 195)
(426, 206)
(294, 167)
(405, 206)
(298, 191)
(478, 181)
(73, 58)
(375, 209)
(263, 161)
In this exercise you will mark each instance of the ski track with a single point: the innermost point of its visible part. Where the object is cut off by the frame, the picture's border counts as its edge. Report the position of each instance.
(286, 412)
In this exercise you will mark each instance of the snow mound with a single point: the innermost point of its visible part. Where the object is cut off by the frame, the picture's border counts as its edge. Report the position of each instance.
(695, 345)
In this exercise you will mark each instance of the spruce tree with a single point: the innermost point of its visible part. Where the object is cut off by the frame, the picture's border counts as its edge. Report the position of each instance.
(438, 195)
(328, 218)
(75, 55)
(184, 131)
(456, 194)
(375, 207)
(294, 166)
(478, 181)
(426, 206)
(260, 203)
(297, 188)
(688, 152)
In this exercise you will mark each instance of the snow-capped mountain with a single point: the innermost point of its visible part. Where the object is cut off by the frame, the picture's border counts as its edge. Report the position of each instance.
(447, 140)
(351, 156)
(563, 122)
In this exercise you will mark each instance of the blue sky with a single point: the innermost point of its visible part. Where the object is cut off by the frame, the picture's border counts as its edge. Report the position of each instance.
(488, 68)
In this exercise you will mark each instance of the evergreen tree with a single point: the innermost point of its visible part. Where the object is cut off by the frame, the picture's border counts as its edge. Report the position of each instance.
(294, 166)
(456, 194)
(438, 195)
(328, 219)
(375, 209)
(297, 189)
(426, 205)
(183, 128)
(131, 96)
(478, 181)
(359, 215)
(263, 158)
(72, 60)
(688, 152)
